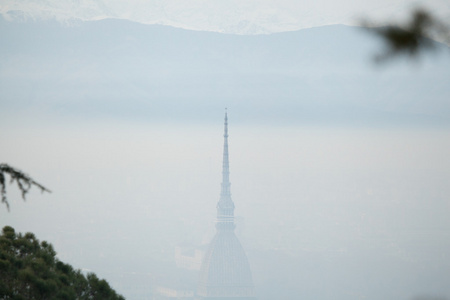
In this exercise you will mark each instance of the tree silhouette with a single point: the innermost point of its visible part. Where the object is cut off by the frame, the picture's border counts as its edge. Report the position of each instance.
(24, 182)
(29, 269)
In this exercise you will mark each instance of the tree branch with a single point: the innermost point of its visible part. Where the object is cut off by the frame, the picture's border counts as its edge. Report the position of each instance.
(24, 182)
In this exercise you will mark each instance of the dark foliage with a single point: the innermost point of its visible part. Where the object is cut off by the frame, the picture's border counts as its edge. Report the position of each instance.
(29, 269)
(24, 182)
(413, 38)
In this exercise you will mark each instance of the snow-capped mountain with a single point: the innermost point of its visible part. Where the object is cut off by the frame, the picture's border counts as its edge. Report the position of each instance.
(231, 16)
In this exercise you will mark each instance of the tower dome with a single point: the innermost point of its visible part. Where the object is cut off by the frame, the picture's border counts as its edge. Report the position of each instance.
(225, 271)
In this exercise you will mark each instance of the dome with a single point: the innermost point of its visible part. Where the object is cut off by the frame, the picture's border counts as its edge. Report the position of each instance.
(225, 271)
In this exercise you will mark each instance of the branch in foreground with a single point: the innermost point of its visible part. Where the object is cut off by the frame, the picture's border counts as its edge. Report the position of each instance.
(24, 182)
(413, 38)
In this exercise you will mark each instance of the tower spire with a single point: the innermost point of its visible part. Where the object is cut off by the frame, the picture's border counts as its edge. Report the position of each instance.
(225, 191)
(225, 271)
(225, 206)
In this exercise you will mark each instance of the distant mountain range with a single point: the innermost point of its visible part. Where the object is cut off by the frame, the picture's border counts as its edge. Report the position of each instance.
(231, 16)
(124, 69)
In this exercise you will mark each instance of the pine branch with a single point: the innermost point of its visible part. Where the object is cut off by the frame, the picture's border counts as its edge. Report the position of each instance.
(23, 181)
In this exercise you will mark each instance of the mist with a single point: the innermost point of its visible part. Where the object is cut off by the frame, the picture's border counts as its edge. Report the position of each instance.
(362, 211)
(339, 168)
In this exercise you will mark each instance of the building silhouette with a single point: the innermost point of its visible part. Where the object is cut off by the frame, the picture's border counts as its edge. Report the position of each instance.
(225, 271)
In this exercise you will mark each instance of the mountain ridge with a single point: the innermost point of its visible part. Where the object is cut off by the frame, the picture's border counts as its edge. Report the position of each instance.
(117, 67)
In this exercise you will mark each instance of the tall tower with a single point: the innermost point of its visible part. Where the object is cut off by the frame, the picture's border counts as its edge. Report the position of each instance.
(225, 271)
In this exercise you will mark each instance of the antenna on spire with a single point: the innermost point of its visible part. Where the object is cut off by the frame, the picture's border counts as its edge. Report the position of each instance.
(226, 131)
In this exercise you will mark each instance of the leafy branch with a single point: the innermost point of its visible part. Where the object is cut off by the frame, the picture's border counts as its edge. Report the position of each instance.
(24, 182)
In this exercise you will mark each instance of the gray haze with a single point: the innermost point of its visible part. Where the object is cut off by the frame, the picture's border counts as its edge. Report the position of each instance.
(339, 168)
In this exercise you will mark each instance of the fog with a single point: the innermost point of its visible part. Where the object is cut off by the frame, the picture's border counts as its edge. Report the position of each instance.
(323, 212)
(339, 168)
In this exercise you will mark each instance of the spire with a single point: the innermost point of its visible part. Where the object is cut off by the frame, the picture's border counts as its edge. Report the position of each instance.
(225, 271)
(225, 162)
(225, 207)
